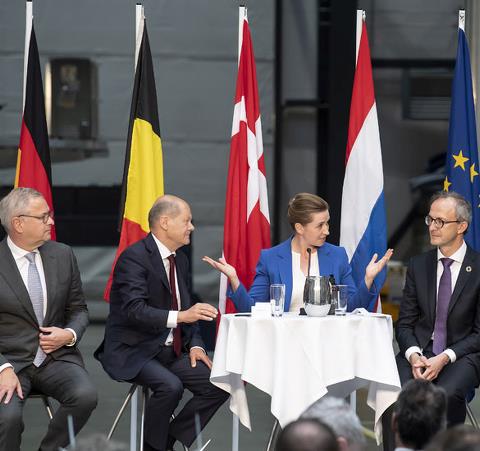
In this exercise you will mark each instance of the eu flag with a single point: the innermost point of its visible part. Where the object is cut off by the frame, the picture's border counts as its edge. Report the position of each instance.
(462, 154)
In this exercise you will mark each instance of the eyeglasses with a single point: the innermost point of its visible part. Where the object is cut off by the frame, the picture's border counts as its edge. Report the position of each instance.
(44, 218)
(439, 223)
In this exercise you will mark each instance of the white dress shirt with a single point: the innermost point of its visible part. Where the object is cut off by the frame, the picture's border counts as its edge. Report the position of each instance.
(22, 264)
(455, 267)
(298, 280)
(172, 314)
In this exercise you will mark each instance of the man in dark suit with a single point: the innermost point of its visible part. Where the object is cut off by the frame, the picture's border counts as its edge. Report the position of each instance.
(152, 337)
(42, 317)
(438, 329)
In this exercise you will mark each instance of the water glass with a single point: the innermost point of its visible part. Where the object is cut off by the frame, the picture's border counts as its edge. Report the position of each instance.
(340, 299)
(277, 298)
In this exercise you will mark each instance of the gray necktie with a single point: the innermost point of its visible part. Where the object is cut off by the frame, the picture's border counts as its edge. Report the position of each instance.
(36, 296)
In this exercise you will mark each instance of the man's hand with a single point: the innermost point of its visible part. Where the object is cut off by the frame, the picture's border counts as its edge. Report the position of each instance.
(374, 267)
(419, 363)
(53, 338)
(199, 311)
(435, 365)
(9, 384)
(199, 354)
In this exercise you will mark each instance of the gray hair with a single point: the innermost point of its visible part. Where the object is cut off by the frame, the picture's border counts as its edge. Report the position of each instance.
(14, 203)
(97, 442)
(337, 414)
(463, 209)
(165, 205)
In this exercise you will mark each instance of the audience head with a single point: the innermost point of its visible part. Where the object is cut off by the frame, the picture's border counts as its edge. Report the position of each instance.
(307, 434)
(337, 414)
(458, 438)
(97, 442)
(26, 217)
(420, 412)
(170, 220)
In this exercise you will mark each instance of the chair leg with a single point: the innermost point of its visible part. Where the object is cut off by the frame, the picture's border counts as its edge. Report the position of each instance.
(273, 435)
(471, 416)
(142, 419)
(122, 409)
(48, 407)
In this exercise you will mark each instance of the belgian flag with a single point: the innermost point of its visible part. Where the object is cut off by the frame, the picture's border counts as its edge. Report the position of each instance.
(33, 159)
(143, 170)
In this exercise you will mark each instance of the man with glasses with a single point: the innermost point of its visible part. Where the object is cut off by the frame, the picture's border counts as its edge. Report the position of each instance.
(438, 329)
(42, 317)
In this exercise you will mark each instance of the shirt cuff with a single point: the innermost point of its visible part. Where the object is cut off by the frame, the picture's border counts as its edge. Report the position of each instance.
(199, 347)
(5, 366)
(411, 350)
(451, 354)
(172, 319)
(74, 339)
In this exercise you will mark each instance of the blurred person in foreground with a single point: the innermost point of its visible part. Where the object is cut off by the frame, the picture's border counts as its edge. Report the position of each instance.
(337, 414)
(307, 434)
(152, 336)
(458, 438)
(43, 316)
(420, 413)
(288, 262)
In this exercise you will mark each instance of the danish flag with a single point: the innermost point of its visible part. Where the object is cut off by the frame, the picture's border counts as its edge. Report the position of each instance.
(247, 220)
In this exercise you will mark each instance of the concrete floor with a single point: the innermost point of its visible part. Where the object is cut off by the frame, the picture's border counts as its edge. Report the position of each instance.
(111, 395)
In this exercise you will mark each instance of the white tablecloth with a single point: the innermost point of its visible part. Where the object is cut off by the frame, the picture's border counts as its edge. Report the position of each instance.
(299, 359)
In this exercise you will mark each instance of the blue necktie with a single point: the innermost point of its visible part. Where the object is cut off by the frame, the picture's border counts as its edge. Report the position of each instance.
(36, 296)
(443, 300)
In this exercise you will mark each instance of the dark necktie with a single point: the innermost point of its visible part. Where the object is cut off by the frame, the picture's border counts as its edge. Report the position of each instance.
(177, 333)
(443, 299)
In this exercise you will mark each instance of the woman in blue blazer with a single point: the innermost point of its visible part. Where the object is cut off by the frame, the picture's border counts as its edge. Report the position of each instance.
(287, 262)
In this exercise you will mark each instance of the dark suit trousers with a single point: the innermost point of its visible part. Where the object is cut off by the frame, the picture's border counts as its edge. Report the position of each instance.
(167, 376)
(66, 382)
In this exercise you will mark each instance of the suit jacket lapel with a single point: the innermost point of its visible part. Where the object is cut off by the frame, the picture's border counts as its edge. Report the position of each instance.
(284, 258)
(49, 263)
(431, 263)
(9, 271)
(156, 259)
(324, 264)
(463, 276)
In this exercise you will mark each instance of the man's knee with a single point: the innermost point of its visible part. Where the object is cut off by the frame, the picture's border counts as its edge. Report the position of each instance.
(171, 388)
(84, 396)
(11, 415)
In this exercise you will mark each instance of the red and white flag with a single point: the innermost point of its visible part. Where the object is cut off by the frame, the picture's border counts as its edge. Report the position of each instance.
(247, 221)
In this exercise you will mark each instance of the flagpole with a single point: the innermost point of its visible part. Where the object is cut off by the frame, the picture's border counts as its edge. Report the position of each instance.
(242, 15)
(28, 32)
(139, 22)
(360, 19)
(461, 19)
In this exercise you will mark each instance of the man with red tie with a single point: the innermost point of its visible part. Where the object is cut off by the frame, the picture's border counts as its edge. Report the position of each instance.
(152, 336)
(438, 330)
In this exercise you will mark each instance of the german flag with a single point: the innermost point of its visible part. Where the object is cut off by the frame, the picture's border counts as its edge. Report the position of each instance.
(143, 170)
(33, 159)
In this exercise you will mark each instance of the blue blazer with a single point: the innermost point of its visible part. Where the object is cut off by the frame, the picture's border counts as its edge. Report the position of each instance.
(275, 266)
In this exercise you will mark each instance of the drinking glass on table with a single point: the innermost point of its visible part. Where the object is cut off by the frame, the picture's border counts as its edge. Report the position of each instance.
(277, 298)
(340, 298)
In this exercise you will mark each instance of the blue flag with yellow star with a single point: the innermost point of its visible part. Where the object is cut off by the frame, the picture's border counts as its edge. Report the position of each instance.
(462, 154)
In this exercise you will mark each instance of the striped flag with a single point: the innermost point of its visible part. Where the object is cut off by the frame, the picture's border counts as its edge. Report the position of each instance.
(247, 221)
(363, 229)
(462, 155)
(33, 158)
(143, 170)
